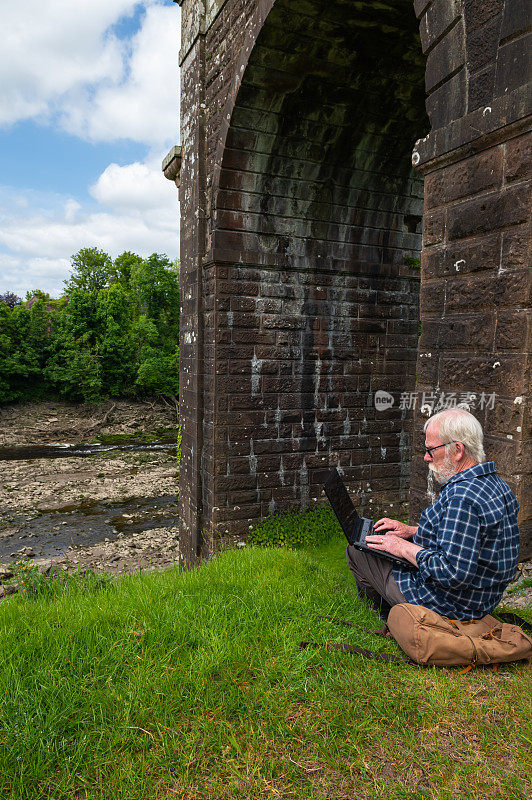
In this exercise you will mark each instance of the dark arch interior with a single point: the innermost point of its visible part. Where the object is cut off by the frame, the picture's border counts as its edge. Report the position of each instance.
(318, 197)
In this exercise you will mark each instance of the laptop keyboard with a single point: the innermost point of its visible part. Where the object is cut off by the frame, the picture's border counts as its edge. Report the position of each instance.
(367, 530)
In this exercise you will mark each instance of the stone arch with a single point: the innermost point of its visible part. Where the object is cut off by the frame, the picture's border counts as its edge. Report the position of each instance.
(298, 215)
(316, 214)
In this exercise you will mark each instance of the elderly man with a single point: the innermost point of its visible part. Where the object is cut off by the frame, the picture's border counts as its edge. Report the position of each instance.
(464, 550)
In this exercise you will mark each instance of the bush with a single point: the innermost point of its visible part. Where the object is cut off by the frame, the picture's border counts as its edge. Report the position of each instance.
(296, 529)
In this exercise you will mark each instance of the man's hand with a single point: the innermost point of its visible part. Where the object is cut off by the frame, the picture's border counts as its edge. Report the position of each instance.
(396, 545)
(386, 525)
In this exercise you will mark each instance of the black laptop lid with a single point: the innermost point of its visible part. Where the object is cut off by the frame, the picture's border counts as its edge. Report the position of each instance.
(342, 506)
(354, 527)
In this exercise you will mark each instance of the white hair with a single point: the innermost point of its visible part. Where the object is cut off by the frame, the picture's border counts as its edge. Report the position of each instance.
(458, 425)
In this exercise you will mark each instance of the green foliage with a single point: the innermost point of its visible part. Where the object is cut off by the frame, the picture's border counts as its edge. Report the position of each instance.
(123, 266)
(92, 270)
(24, 347)
(179, 442)
(115, 333)
(413, 261)
(158, 373)
(296, 529)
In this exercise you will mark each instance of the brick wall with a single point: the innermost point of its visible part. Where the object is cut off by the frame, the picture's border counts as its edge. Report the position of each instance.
(475, 296)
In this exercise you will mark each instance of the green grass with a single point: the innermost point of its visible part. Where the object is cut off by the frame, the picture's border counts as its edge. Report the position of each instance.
(192, 685)
(526, 583)
(140, 437)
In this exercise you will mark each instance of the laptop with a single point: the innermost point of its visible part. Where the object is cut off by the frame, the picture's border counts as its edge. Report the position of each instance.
(354, 527)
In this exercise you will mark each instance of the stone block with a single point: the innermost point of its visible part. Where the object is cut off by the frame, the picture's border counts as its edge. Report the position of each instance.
(505, 455)
(505, 420)
(433, 227)
(478, 12)
(478, 173)
(482, 44)
(518, 158)
(438, 18)
(516, 247)
(445, 58)
(516, 18)
(460, 257)
(448, 101)
(480, 88)
(514, 63)
(432, 297)
(421, 5)
(513, 330)
(469, 331)
(427, 370)
(488, 213)
(501, 373)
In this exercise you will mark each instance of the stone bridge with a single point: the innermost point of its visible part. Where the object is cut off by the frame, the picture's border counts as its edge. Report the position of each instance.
(325, 144)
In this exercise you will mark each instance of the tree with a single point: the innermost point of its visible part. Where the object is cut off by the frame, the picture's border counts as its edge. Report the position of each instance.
(116, 347)
(10, 299)
(123, 265)
(116, 332)
(158, 373)
(156, 287)
(23, 351)
(92, 270)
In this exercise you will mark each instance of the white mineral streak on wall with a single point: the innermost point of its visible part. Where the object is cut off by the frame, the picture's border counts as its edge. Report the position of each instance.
(252, 459)
(256, 366)
(278, 422)
(303, 482)
(281, 472)
(320, 438)
(317, 376)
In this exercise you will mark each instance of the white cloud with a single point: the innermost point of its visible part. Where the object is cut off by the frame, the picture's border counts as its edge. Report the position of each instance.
(61, 63)
(145, 105)
(135, 186)
(50, 48)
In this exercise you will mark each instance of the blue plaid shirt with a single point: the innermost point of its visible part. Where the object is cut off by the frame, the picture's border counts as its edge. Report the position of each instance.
(470, 546)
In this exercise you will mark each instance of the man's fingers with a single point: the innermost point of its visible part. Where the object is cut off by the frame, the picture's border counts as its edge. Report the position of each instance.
(383, 523)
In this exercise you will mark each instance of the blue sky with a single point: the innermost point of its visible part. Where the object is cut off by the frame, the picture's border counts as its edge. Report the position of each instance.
(89, 105)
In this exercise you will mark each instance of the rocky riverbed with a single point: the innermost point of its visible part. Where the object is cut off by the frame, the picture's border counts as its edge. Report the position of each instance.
(113, 510)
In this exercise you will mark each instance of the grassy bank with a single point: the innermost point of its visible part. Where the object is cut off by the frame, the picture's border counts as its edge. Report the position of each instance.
(192, 685)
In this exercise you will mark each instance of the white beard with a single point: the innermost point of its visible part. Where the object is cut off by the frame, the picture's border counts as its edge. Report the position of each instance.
(446, 471)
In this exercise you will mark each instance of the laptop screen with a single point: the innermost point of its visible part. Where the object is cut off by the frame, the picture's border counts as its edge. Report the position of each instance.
(342, 505)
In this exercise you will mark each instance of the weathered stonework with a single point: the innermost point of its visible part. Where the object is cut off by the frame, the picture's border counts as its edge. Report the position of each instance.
(301, 218)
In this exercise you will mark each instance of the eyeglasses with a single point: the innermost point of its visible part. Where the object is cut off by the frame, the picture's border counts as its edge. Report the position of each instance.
(428, 450)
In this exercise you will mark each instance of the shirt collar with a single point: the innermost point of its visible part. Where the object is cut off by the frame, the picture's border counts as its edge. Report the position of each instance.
(486, 468)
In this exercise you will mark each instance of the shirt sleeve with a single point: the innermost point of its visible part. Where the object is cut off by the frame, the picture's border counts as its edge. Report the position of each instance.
(453, 560)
